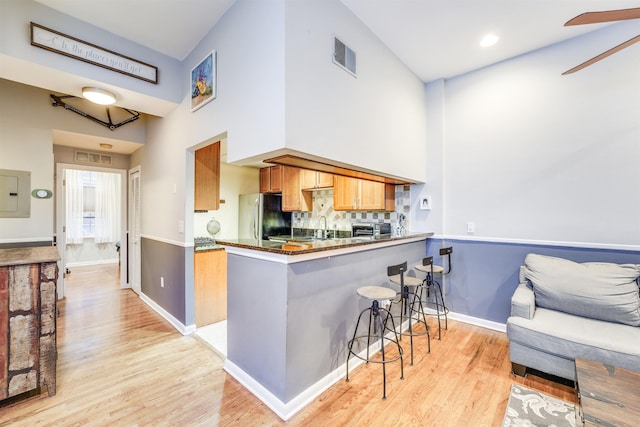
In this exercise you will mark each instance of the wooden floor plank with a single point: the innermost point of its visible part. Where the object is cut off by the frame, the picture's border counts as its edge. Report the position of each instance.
(120, 363)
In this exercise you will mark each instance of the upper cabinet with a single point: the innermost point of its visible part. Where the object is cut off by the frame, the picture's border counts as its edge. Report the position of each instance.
(207, 178)
(293, 198)
(312, 180)
(271, 179)
(351, 194)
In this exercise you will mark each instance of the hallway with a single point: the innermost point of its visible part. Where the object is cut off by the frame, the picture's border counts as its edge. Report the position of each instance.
(120, 363)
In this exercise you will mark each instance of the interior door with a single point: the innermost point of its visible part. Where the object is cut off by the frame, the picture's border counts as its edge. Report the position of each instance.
(134, 231)
(61, 229)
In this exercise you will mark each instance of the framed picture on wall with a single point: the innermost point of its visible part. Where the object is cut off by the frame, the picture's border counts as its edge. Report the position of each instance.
(203, 81)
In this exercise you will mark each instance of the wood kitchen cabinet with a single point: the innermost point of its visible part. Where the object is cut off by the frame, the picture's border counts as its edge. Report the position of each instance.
(271, 179)
(210, 287)
(293, 198)
(207, 178)
(352, 194)
(312, 180)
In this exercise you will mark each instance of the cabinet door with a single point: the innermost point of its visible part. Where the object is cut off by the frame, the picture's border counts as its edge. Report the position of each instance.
(207, 178)
(345, 193)
(372, 195)
(324, 180)
(293, 198)
(210, 287)
(308, 179)
(265, 180)
(277, 179)
(311, 180)
(389, 197)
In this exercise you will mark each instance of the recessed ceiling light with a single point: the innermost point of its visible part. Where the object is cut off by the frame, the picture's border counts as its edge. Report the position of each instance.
(98, 96)
(489, 40)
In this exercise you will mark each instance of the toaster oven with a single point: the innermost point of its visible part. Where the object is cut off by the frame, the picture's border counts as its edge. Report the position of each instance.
(378, 230)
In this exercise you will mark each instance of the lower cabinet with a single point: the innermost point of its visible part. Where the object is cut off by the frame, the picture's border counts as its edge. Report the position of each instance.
(210, 287)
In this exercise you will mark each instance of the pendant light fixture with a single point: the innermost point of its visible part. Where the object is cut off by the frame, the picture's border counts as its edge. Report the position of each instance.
(98, 96)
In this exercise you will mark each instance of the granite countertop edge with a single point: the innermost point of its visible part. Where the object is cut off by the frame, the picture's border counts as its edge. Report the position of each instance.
(326, 245)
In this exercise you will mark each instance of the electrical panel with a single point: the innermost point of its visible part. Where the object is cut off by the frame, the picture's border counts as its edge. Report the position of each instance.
(15, 194)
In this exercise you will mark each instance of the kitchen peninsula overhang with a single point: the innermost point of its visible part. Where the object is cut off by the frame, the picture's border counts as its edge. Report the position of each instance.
(294, 251)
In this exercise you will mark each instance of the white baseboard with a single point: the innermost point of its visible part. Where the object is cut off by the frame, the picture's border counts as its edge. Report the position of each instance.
(184, 330)
(281, 409)
(500, 327)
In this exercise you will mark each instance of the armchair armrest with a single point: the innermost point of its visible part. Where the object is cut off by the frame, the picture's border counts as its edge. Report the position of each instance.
(523, 302)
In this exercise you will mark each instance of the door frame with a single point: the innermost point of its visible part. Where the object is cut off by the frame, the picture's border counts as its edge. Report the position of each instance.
(135, 267)
(61, 219)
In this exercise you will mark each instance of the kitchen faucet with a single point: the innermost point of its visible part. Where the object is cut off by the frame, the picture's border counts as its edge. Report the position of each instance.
(323, 231)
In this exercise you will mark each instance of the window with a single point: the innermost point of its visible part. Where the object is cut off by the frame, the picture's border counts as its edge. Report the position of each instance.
(89, 203)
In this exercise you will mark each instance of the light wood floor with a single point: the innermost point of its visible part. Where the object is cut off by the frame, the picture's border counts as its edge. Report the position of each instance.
(121, 364)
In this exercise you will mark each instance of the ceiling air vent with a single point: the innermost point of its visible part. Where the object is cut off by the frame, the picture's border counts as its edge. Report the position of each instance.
(344, 56)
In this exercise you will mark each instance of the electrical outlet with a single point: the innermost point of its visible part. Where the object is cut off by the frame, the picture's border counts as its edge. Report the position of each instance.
(471, 227)
(162, 282)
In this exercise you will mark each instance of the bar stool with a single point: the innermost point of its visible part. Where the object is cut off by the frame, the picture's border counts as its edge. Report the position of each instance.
(408, 300)
(431, 270)
(376, 294)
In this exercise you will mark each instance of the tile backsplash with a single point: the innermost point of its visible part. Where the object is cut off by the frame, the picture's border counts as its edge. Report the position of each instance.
(341, 220)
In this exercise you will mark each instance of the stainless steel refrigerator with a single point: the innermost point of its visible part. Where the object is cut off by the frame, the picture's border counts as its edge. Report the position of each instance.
(260, 216)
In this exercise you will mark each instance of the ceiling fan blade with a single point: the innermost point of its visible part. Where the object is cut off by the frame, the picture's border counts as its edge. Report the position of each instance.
(604, 16)
(604, 55)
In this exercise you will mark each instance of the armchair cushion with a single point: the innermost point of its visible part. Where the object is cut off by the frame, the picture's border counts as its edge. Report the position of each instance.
(597, 290)
(523, 302)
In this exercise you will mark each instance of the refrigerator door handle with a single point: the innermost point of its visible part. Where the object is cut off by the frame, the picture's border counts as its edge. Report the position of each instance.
(255, 218)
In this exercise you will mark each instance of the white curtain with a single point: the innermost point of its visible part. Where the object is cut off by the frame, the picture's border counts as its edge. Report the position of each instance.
(75, 205)
(107, 228)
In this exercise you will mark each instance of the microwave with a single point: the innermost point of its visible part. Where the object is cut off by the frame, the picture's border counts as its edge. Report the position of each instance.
(378, 230)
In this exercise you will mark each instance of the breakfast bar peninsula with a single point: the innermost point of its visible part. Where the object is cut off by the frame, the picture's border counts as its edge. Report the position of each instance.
(293, 305)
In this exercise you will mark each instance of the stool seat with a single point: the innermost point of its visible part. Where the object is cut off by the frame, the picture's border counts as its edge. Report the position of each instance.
(376, 293)
(437, 269)
(408, 280)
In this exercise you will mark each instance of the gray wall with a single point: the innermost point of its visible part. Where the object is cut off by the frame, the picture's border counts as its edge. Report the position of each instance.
(161, 259)
(288, 325)
(485, 274)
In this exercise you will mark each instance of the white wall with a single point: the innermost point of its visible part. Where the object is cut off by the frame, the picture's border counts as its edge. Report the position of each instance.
(234, 180)
(27, 120)
(249, 40)
(376, 121)
(530, 154)
(90, 253)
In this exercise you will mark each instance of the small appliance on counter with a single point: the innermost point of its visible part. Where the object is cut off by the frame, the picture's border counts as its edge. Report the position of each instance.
(378, 230)
(260, 216)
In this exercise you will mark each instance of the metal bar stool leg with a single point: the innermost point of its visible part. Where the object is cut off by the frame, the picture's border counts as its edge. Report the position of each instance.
(375, 327)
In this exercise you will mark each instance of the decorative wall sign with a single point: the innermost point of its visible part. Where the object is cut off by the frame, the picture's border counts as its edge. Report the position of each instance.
(203, 81)
(72, 47)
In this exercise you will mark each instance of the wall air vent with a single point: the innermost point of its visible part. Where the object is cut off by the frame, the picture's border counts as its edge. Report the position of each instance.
(344, 57)
(95, 158)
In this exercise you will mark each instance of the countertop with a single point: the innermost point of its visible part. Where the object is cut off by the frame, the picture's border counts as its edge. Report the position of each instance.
(295, 247)
(18, 256)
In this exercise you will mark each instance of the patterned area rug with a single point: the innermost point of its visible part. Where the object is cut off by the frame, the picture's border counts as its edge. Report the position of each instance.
(528, 408)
